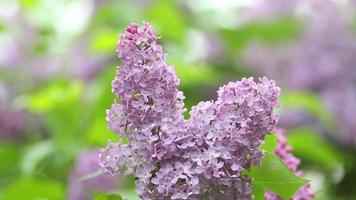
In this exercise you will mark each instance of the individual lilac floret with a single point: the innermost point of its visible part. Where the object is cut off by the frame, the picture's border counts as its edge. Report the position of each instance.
(173, 158)
(284, 152)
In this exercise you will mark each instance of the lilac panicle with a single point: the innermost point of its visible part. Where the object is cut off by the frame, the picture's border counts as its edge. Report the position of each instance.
(228, 133)
(145, 84)
(149, 107)
(174, 158)
(284, 152)
(234, 126)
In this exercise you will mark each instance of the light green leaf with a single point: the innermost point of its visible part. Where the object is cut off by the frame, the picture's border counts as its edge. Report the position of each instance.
(54, 95)
(270, 143)
(275, 176)
(104, 41)
(34, 155)
(167, 19)
(33, 189)
(127, 189)
(194, 75)
(28, 3)
(99, 134)
(271, 32)
(10, 155)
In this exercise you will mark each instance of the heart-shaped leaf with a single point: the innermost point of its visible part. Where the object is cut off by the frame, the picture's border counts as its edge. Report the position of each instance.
(275, 176)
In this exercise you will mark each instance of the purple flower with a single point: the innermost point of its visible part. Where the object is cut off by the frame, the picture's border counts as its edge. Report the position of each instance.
(344, 95)
(145, 84)
(265, 10)
(174, 158)
(321, 61)
(87, 164)
(325, 51)
(12, 124)
(284, 152)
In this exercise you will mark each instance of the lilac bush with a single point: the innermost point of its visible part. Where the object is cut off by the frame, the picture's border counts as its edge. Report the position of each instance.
(321, 61)
(173, 158)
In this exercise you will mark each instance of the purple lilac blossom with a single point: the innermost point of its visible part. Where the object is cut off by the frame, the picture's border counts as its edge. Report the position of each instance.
(325, 51)
(284, 152)
(87, 164)
(267, 10)
(344, 115)
(174, 158)
(12, 124)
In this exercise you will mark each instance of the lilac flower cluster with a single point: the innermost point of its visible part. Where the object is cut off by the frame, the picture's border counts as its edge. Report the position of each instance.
(325, 51)
(284, 152)
(174, 158)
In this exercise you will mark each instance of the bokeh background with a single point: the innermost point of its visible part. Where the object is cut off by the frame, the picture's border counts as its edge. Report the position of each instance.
(58, 58)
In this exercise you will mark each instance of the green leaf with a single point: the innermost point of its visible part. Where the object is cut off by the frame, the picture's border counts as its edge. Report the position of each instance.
(55, 95)
(129, 194)
(271, 32)
(33, 189)
(99, 134)
(34, 155)
(104, 41)
(270, 143)
(10, 155)
(304, 142)
(28, 3)
(275, 176)
(128, 188)
(309, 102)
(194, 75)
(167, 20)
(99, 98)
(108, 197)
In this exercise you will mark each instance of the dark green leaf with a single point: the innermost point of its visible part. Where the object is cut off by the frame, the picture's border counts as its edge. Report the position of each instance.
(309, 146)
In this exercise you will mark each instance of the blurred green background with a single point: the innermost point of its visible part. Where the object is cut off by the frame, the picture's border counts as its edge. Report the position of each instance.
(58, 58)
